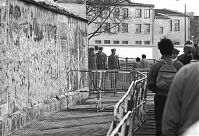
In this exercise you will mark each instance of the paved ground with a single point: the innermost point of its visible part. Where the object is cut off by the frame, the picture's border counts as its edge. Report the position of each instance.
(79, 120)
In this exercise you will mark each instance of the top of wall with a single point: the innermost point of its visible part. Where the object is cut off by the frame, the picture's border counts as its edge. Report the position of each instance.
(169, 12)
(53, 6)
(124, 3)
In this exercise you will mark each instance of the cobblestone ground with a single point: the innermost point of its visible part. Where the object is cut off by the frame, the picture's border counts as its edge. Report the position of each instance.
(81, 120)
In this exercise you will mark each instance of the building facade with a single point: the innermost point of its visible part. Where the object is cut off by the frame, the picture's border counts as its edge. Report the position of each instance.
(136, 29)
(144, 28)
(171, 24)
(194, 29)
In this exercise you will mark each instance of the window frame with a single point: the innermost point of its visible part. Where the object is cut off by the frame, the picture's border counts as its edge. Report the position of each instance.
(147, 13)
(125, 27)
(116, 12)
(138, 27)
(107, 42)
(138, 13)
(177, 25)
(147, 28)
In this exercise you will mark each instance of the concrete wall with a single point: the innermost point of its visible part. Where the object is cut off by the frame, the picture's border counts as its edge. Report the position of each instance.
(38, 49)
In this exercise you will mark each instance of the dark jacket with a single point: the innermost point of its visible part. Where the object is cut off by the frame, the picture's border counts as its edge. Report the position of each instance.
(153, 72)
(113, 62)
(185, 58)
(101, 60)
(92, 58)
(182, 106)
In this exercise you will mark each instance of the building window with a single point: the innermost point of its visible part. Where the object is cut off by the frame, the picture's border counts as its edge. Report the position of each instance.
(138, 28)
(147, 42)
(125, 13)
(138, 42)
(98, 41)
(161, 30)
(177, 25)
(125, 27)
(176, 43)
(107, 27)
(105, 12)
(147, 13)
(116, 27)
(147, 28)
(125, 42)
(116, 42)
(116, 12)
(138, 13)
(171, 25)
(106, 41)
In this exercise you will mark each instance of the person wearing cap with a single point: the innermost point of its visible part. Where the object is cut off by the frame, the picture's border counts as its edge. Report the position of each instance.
(101, 59)
(186, 57)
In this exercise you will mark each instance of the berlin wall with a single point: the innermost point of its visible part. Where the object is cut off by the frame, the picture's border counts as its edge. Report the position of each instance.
(40, 45)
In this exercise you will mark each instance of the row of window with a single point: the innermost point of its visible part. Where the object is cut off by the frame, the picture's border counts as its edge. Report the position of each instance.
(109, 42)
(118, 42)
(138, 13)
(116, 27)
(124, 12)
(176, 26)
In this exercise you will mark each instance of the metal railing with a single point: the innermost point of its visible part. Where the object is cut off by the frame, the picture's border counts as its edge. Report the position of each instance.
(130, 111)
(107, 81)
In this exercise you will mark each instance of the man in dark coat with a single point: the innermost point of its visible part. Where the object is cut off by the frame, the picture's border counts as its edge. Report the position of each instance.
(101, 59)
(186, 57)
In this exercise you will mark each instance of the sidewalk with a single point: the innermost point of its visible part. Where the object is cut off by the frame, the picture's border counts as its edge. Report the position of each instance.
(79, 120)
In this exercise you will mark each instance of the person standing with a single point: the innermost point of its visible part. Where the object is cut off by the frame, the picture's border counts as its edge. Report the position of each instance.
(113, 63)
(137, 63)
(182, 105)
(144, 63)
(92, 59)
(166, 47)
(101, 59)
(186, 57)
(113, 60)
(175, 53)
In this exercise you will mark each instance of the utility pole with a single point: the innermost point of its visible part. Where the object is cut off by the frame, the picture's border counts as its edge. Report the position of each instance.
(185, 22)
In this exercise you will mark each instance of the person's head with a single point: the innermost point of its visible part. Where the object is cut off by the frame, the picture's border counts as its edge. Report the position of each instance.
(96, 48)
(100, 49)
(143, 56)
(188, 46)
(195, 45)
(175, 53)
(195, 53)
(166, 47)
(113, 51)
(91, 50)
(137, 59)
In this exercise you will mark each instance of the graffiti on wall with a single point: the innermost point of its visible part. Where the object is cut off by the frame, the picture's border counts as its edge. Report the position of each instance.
(39, 55)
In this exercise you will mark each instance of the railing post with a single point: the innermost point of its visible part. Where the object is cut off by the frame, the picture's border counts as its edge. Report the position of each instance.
(126, 62)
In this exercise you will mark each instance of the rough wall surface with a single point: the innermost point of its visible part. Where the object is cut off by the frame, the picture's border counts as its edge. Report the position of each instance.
(38, 51)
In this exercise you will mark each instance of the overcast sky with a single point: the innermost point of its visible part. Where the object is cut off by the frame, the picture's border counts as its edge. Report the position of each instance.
(191, 5)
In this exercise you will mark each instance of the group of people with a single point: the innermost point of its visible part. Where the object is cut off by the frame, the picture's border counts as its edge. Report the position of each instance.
(97, 59)
(176, 100)
(141, 63)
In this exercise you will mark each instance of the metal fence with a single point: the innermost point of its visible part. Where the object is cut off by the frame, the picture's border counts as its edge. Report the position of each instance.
(130, 111)
(110, 81)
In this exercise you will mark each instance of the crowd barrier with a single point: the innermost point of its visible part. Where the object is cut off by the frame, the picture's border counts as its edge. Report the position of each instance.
(130, 111)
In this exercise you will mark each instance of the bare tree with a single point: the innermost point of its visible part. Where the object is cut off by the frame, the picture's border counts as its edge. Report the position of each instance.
(106, 16)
